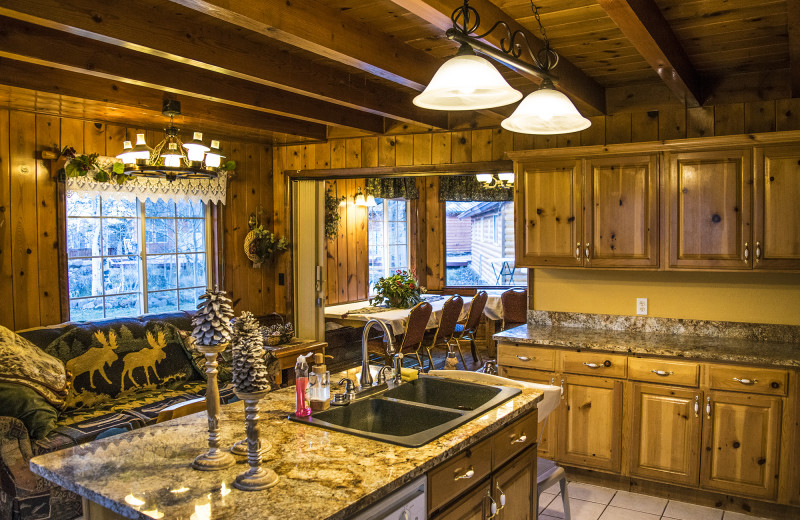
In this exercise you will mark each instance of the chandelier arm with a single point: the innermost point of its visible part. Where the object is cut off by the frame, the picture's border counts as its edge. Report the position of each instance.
(465, 12)
(497, 54)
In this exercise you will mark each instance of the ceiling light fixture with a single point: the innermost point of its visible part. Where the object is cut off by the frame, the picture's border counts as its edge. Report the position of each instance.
(171, 158)
(470, 82)
(496, 180)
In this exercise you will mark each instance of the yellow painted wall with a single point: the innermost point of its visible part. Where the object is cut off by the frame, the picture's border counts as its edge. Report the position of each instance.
(744, 297)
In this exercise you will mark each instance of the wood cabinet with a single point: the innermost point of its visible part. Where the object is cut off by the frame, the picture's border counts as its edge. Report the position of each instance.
(547, 429)
(665, 433)
(471, 507)
(776, 215)
(741, 436)
(517, 481)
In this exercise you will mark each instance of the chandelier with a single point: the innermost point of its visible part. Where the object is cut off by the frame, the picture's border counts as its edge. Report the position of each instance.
(470, 82)
(171, 158)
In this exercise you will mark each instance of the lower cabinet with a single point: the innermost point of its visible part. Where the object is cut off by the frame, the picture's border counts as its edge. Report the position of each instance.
(547, 430)
(472, 507)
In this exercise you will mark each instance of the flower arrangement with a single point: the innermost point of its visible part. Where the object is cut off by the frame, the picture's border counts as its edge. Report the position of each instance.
(400, 290)
(83, 165)
(260, 245)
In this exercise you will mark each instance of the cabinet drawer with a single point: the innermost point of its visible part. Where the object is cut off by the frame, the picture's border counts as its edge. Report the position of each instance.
(537, 358)
(747, 379)
(523, 374)
(459, 474)
(595, 364)
(514, 438)
(682, 373)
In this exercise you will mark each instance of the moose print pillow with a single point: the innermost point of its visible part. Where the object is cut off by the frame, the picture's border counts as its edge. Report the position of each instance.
(129, 357)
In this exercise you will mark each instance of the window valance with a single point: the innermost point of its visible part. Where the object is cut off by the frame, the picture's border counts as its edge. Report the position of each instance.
(393, 188)
(195, 190)
(463, 188)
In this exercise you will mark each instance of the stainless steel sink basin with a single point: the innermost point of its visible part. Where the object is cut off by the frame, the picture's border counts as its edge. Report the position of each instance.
(412, 414)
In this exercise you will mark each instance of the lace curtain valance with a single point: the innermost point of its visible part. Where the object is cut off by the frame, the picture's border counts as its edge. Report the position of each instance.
(195, 190)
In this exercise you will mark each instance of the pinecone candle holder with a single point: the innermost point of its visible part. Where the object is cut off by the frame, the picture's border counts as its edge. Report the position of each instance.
(212, 332)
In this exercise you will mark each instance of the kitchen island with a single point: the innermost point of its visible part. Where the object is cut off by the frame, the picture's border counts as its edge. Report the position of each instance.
(323, 474)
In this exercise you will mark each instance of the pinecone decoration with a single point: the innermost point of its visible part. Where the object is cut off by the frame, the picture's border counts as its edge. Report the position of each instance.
(249, 369)
(212, 323)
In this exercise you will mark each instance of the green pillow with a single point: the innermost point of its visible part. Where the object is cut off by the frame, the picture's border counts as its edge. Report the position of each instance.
(27, 405)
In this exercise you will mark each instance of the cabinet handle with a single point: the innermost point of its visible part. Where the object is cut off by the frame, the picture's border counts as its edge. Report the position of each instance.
(493, 509)
(662, 372)
(758, 251)
(524, 358)
(592, 365)
(746, 381)
(502, 496)
(586, 251)
(708, 408)
(467, 474)
(562, 388)
(521, 438)
(578, 251)
(746, 252)
(697, 406)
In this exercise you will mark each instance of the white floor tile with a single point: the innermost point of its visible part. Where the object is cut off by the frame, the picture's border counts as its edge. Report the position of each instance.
(732, 515)
(684, 511)
(591, 493)
(544, 500)
(639, 502)
(617, 513)
(579, 509)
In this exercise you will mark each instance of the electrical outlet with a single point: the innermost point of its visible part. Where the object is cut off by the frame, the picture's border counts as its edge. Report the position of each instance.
(641, 306)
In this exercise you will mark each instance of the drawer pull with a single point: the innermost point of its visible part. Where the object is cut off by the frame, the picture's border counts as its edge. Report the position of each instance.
(746, 252)
(745, 381)
(592, 365)
(708, 408)
(662, 372)
(697, 406)
(521, 438)
(524, 358)
(578, 251)
(586, 251)
(758, 251)
(467, 474)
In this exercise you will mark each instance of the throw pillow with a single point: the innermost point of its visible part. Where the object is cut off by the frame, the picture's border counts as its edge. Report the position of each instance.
(23, 363)
(27, 405)
(121, 359)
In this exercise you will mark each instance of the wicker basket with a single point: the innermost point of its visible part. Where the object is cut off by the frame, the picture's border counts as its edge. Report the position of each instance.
(273, 341)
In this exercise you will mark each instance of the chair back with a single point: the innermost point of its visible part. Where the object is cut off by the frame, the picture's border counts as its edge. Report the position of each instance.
(515, 307)
(417, 323)
(475, 310)
(451, 310)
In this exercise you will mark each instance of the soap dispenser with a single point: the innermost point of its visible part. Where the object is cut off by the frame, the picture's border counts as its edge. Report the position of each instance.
(301, 378)
(320, 392)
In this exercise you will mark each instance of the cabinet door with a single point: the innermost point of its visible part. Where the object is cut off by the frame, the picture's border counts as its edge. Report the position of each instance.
(547, 430)
(621, 220)
(776, 219)
(473, 506)
(590, 425)
(517, 481)
(741, 433)
(548, 214)
(710, 210)
(665, 433)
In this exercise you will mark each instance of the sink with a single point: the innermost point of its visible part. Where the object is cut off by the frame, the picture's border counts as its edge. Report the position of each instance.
(411, 414)
(447, 394)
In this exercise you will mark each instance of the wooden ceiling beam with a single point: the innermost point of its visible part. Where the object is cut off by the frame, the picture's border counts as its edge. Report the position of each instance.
(584, 91)
(22, 40)
(643, 24)
(40, 77)
(179, 34)
(793, 12)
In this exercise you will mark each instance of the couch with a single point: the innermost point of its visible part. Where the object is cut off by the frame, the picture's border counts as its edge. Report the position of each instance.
(123, 373)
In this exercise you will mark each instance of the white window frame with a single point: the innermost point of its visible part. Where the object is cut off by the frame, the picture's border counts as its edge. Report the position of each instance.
(387, 271)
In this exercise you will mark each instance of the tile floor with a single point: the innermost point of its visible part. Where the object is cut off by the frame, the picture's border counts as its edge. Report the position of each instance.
(589, 502)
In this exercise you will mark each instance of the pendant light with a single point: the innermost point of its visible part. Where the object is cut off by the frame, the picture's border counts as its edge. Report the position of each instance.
(546, 112)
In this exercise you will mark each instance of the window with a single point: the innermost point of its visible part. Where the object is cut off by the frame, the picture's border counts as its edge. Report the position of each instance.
(127, 258)
(479, 245)
(388, 238)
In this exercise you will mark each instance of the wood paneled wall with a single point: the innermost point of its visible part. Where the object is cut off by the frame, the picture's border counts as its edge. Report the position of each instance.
(347, 255)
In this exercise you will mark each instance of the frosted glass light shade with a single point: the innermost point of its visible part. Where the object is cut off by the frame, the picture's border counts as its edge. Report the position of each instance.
(371, 201)
(126, 156)
(195, 149)
(506, 177)
(360, 200)
(546, 112)
(484, 177)
(214, 157)
(467, 82)
(141, 150)
(172, 157)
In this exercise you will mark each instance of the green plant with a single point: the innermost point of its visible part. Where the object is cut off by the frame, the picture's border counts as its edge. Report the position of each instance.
(266, 243)
(400, 290)
(332, 216)
(83, 165)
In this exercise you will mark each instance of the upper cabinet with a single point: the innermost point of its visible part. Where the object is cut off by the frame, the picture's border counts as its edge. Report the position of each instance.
(776, 208)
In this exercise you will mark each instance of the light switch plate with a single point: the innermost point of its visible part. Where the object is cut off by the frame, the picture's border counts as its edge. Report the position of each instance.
(641, 306)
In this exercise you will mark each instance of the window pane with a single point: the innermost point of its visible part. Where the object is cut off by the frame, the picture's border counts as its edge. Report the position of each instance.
(119, 208)
(89, 309)
(162, 301)
(122, 305)
(161, 273)
(120, 236)
(78, 206)
(190, 209)
(83, 237)
(121, 274)
(188, 298)
(192, 270)
(160, 235)
(85, 277)
(159, 208)
(191, 235)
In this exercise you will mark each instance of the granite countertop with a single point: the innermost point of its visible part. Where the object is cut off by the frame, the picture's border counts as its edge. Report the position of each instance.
(323, 474)
(705, 348)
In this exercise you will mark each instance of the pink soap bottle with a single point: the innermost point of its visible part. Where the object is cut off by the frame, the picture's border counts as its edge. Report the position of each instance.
(301, 376)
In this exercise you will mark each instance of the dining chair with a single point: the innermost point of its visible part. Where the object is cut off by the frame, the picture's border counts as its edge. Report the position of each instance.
(515, 308)
(469, 328)
(418, 318)
(451, 310)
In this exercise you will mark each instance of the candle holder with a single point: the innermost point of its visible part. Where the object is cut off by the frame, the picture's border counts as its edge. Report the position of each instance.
(257, 477)
(215, 458)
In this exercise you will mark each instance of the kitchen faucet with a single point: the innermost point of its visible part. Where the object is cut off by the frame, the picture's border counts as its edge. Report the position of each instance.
(366, 377)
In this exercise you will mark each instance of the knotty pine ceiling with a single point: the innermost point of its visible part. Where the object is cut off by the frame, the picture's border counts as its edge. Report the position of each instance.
(285, 71)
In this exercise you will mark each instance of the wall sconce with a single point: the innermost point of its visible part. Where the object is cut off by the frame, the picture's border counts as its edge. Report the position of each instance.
(496, 180)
